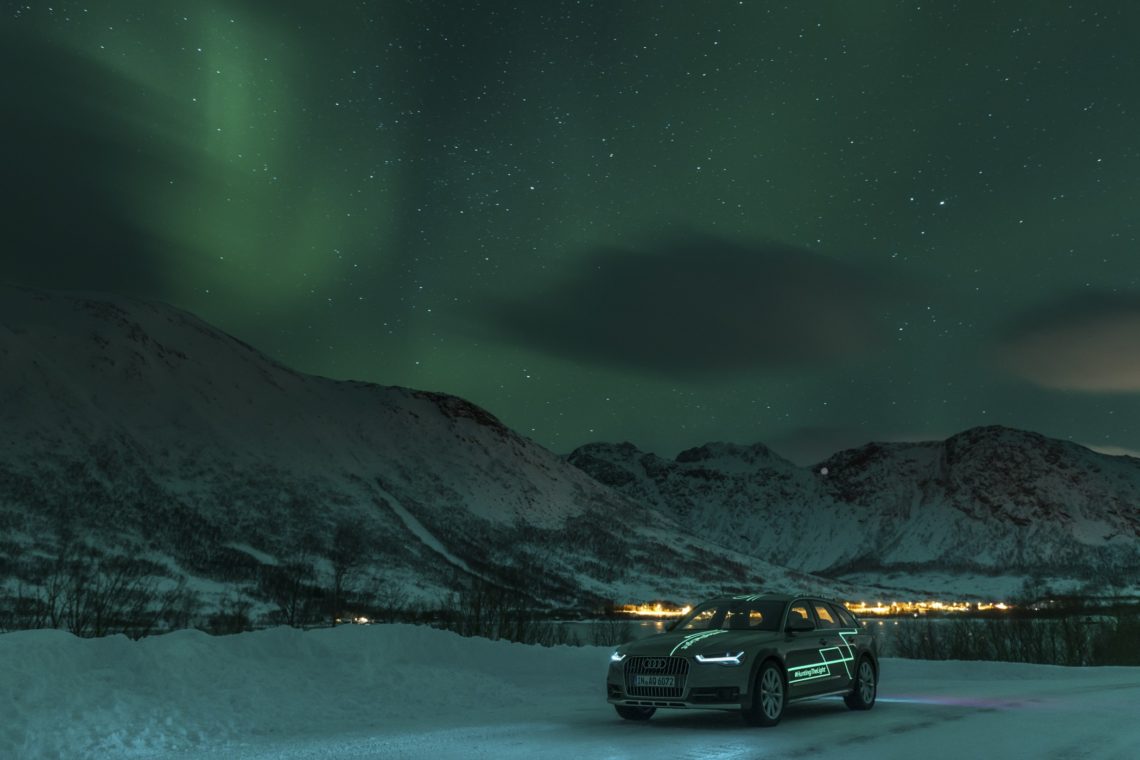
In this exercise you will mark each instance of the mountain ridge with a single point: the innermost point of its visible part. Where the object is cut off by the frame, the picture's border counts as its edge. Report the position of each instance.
(136, 429)
(990, 499)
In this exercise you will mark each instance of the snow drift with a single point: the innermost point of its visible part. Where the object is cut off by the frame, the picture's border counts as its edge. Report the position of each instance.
(402, 691)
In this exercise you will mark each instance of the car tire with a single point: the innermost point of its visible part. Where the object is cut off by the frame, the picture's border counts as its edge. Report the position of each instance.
(862, 696)
(769, 695)
(630, 712)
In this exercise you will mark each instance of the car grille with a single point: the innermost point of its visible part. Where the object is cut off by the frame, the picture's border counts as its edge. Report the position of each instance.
(656, 666)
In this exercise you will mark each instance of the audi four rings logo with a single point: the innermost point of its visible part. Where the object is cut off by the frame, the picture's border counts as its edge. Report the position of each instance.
(656, 663)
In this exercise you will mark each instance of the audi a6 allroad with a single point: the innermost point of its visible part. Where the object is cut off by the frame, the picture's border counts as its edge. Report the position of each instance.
(754, 653)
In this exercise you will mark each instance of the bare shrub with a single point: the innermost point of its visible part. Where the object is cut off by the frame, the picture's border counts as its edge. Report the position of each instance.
(293, 589)
(1062, 641)
(350, 545)
(611, 632)
(93, 595)
(1117, 643)
(493, 612)
(231, 617)
(918, 640)
(390, 604)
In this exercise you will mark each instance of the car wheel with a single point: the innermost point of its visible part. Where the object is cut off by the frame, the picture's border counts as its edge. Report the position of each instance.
(635, 713)
(862, 697)
(768, 697)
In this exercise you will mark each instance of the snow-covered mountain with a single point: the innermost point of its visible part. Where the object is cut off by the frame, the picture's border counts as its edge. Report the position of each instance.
(134, 428)
(746, 496)
(987, 501)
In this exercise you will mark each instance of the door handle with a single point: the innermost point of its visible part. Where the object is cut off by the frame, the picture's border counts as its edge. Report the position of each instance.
(823, 641)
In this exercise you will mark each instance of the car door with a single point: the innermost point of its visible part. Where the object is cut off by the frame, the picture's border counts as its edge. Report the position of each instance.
(808, 673)
(835, 646)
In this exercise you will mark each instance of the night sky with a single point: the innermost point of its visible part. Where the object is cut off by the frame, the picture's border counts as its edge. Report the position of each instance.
(809, 225)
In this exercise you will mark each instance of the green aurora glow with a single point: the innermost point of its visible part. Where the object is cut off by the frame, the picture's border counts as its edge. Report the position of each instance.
(557, 209)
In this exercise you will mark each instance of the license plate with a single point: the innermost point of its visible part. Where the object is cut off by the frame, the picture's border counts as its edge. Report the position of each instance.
(666, 681)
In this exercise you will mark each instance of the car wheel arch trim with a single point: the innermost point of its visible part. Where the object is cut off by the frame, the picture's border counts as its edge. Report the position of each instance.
(760, 661)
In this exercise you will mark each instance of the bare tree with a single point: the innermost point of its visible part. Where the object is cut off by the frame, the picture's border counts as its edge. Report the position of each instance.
(90, 594)
(231, 617)
(391, 601)
(290, 587)
(351, 545)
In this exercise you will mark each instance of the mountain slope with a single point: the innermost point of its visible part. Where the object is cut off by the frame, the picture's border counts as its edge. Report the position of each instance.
(990, 500)
(994, 497)
(135, 428)
(746, 497)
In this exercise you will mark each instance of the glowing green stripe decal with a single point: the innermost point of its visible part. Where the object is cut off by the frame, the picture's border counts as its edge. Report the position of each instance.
(822, 669)
(850, 648)
(693, 638)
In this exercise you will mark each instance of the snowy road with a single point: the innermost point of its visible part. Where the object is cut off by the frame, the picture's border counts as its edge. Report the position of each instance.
(406, 692)
(1093, 716)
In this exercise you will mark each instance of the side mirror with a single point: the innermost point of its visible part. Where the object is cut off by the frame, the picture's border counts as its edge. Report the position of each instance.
(802, 626)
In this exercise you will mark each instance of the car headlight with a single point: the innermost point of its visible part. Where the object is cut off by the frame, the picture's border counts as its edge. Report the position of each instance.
(722, 659)
(617, 657)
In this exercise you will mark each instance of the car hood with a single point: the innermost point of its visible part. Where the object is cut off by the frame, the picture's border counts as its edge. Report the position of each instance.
(682, 643)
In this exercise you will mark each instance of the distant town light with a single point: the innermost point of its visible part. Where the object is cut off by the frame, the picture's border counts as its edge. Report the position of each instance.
(653, 610)
(914, 609)
(862, 608)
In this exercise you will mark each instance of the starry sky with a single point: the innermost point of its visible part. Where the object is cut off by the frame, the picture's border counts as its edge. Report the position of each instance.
(805, 224)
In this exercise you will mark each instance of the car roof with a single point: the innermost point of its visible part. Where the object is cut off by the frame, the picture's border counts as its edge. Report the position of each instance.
(764, 597)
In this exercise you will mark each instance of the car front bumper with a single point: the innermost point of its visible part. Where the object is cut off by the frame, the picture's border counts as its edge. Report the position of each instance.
(706, 687)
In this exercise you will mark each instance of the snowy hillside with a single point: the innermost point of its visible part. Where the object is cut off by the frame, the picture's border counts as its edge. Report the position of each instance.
(746, 496)
(988, 501)
(407, 692)
(135, 429)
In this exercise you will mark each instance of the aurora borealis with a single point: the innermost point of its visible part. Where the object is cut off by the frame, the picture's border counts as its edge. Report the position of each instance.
(811, 224)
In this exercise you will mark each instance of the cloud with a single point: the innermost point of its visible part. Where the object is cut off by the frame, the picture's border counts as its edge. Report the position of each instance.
(1113, 451)
(1087, 343)
(699, 305)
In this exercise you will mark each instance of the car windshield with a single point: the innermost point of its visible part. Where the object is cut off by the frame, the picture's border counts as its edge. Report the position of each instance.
(733, 615)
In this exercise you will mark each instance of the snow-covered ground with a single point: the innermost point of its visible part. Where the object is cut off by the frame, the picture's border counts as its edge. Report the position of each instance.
(402, 691)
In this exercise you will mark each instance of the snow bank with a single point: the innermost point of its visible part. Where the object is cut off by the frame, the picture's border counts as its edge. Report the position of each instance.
(404, 691)
(65, 697)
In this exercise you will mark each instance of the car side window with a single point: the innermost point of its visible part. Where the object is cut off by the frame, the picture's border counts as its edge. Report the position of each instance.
(826, 619)
(756, 618)
(844, 616)
(701, 620)
(736, 619)
(798, 614)
(748, 618)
